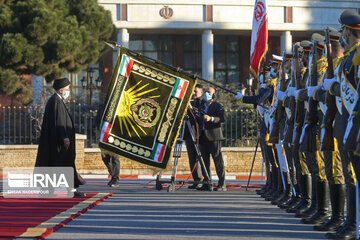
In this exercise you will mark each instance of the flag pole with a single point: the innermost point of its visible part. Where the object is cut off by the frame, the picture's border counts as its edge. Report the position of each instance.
(113, 45)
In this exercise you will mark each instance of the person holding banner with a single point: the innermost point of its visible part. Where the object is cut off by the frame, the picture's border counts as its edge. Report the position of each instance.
(210, 139)
(112, 163)
(193, 114)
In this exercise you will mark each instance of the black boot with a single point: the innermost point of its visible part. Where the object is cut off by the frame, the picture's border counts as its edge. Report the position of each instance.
(274, 186)
(306, 213)
(279, 189)
(296, 197)
(305, 188)
(267, 185)
(323, 198)
(348, 230)
(288, 190)
(337, 198)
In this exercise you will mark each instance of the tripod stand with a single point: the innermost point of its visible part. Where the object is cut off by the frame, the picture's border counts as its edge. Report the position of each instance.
(177, 155)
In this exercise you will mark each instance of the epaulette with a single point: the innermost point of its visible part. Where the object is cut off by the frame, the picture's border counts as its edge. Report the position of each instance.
(322, 65)
(272, 82)
(356, 58)
(337, 60)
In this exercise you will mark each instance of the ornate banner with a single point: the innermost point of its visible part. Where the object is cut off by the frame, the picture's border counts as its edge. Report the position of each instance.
(144, 108)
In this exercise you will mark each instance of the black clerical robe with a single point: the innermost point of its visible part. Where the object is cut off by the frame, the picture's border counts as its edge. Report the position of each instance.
(56, 126)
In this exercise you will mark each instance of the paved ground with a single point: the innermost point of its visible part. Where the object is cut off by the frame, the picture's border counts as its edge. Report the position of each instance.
(137, 211)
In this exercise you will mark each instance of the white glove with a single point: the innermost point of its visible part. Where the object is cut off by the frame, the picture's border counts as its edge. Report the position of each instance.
(239, 95)
(263, 85)
(312, 89)
(291, 91)
(296, 94)
(328, 82)
(281, 95)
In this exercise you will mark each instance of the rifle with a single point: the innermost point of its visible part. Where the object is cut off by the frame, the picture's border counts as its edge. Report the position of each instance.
(294, 78)
(274, 134)
(306, 139)
(327, 131)
(299, 112)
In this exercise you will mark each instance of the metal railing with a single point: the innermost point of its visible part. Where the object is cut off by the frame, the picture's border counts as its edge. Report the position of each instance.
(21, 125)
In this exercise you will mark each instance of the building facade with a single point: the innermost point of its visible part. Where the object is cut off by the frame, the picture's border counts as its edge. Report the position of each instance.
(212, 37)
(208, 37)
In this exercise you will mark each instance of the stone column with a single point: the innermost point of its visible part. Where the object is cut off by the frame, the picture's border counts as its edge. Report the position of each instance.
(285, 42)
(123, 40)
(208, 55)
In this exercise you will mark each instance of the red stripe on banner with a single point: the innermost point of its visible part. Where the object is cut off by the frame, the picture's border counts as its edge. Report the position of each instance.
(161, 153)
(107, 132)
(182, 93)
(129, 67)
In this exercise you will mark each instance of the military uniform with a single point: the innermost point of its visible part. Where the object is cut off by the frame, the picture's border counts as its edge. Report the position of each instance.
(265, 98)
(348, 80)
(302, 169)
(314, 158)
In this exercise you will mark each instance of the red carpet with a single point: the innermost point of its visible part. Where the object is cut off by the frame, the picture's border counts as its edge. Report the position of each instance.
(35, 217)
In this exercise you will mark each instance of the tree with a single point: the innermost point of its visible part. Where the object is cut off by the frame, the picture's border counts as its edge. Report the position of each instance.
(48, 38)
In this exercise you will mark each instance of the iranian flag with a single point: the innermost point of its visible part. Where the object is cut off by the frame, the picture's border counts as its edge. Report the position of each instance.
(179, 88)
(126, 66)
(158, 152)
(259, 36)
(105, 130)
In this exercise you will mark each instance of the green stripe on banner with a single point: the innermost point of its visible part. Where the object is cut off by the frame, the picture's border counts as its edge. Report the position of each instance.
(123, 60)
(175, 87)
(154, 151)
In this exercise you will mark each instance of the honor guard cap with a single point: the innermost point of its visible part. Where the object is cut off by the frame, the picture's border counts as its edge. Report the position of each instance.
(334, 34)
(276, 58)
(288, 56)
(306, 45)
(319, 40)
(350, 19)
(299, 48)
(60, 83)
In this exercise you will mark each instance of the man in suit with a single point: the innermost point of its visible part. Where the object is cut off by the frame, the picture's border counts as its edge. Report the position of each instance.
(210, 137)
(195, 103)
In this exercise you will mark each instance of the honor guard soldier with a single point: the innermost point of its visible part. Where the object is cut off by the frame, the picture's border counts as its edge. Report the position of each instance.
(264, 100)
(309, 141)
(350, 29)
(281, 118)
(303, 173)
(331, 108)
(289, 103)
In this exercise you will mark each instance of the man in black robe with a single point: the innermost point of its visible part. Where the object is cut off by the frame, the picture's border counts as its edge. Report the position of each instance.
(57, 137)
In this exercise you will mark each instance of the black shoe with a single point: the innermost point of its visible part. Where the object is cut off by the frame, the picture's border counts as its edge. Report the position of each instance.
(115, 183)
(79, 194)
(195, 186)
(206, 187)
(110, 182)
(220, 189)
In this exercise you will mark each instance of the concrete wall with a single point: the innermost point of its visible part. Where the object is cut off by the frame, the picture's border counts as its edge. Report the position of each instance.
(88, 160)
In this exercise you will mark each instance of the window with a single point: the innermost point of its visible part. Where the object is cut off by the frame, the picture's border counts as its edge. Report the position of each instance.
(159, 47)
(227, 59)
(192, 53)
